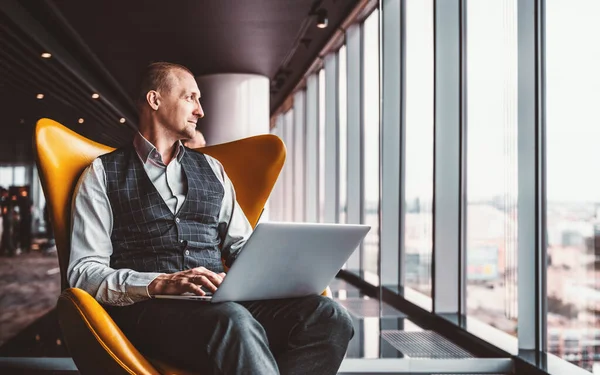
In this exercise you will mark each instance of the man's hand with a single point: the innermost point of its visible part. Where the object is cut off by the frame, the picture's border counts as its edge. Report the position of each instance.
(186, 281)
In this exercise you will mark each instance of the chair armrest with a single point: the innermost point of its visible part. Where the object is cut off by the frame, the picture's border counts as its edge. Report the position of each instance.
(94, 341)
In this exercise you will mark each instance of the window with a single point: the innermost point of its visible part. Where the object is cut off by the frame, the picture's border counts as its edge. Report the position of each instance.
(418, 230)
(19, 176)
(288, 169)
(343, 132)
(321, 137)
(370, 255)
(491, 254)
(275, 202)
(573, 182)
(6, 176)
(299, 155)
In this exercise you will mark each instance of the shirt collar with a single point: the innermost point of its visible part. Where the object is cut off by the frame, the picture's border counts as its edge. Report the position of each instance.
(144, 148)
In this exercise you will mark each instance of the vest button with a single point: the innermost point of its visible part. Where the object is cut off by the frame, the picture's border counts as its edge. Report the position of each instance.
(187, 252)
(177, 220)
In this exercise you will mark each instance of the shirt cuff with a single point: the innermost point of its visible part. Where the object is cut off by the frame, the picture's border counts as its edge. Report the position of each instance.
(137, 285)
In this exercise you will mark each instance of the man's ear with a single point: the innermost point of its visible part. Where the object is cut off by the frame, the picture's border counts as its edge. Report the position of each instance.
(153, 99)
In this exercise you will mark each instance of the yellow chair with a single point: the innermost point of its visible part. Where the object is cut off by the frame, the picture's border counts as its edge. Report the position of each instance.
(94, 341)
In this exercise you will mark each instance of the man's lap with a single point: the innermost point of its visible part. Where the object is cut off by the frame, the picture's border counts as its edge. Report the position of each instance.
(192, 322)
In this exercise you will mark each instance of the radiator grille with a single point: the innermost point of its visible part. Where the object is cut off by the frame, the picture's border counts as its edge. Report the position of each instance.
(425, 344)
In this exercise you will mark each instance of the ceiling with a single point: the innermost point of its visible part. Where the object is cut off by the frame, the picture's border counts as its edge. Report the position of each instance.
(101, 46)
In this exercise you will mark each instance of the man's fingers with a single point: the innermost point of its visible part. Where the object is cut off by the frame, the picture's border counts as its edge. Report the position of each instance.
(196, 289)
(215, 278)
(204, 281)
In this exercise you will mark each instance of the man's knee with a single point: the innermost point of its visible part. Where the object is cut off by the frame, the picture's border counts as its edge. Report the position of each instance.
(335, 316)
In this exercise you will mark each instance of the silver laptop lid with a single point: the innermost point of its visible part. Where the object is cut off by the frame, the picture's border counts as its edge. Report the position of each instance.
(282, 260)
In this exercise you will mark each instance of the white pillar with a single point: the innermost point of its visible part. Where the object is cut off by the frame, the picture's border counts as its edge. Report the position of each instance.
(235, 106)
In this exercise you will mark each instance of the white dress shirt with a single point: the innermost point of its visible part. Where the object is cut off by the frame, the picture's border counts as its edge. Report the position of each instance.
(92, 221)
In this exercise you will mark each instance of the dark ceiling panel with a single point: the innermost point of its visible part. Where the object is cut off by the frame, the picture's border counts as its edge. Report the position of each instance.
(104, 45)
(225, 36)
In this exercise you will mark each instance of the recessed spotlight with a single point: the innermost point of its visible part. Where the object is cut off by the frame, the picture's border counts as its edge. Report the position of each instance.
(122, 120)
(22, 121)
(46, 55)
(322, 20)
(40, 96)
(81, 120)
(95, 96)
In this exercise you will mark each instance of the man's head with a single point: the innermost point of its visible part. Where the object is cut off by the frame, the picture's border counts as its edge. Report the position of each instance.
(196, 142)
(168, 97)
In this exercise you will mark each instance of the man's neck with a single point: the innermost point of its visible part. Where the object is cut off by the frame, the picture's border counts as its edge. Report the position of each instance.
(164, 143)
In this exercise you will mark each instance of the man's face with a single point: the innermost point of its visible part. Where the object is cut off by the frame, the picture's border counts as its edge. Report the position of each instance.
(180, 108)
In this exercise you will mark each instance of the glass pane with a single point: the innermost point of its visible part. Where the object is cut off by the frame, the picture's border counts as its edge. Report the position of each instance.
(573, 182)
(321, 145)
(19, 176)
(370, 255)
(288, 124)
(418, 233)
(492, 163)
(299, 158)
(343, 143)
(283, 176)
(6, 176)
(275, 198)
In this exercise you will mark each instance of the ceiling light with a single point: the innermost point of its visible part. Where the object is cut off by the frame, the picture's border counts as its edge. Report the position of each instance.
(81, 120)
(95, 96)
(122, 120)
(322, 18)
(40, 96)
(46, 55)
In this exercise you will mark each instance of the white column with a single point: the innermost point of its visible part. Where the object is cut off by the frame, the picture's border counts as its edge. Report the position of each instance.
(235, 106)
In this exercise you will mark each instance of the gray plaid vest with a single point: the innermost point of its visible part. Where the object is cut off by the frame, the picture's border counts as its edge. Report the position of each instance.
(146, 235)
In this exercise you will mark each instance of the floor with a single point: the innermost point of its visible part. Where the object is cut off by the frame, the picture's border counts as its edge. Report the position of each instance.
(29, 288)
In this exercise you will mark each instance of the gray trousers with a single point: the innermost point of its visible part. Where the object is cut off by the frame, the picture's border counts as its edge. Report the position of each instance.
(306, 335)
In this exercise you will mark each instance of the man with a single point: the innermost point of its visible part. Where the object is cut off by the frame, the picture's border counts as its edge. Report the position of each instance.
(10, 221)
(25, 210)
(196, 142)
(155, 217)
(3, 219)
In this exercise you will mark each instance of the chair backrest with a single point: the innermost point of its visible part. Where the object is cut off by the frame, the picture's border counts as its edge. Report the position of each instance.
(253, 165)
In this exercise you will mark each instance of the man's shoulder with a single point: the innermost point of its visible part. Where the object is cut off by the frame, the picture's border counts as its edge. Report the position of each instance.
(116, 154)
(214, 163)
(200, 156)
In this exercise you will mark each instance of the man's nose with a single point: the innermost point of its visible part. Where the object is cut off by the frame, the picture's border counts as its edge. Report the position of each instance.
(198, 111)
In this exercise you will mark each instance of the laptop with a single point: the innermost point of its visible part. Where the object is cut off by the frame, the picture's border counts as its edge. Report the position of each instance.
(285, 260)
